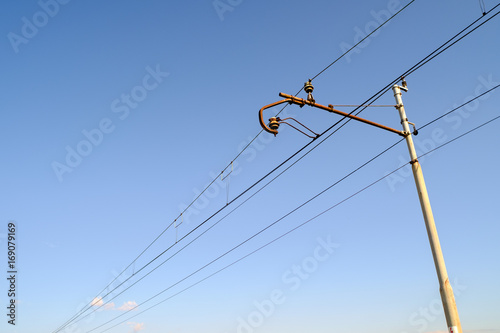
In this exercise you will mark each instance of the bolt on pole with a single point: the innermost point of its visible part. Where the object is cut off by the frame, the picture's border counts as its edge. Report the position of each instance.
(447, 297)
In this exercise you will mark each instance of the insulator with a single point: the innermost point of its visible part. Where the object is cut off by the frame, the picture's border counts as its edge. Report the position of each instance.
(308, 87)
(273, 123)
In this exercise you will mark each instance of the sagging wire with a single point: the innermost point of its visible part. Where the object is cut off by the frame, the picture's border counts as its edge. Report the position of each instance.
(222, 178)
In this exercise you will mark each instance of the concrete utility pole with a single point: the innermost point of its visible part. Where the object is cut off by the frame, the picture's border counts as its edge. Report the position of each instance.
(447, 297)
(450, 307)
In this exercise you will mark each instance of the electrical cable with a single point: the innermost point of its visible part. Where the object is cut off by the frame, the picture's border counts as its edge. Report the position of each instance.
(264, 186)
(264, 229)
(372, 99)
(189, 233)
(89, 305)
(482, 7)
(230, 163)
(458, 107)
(296, 161)
(288, 232)
(291, 165)
(361, 41)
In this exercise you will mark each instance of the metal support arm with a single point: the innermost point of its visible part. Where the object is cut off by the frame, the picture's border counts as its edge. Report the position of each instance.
(301, 102)
(329, 108)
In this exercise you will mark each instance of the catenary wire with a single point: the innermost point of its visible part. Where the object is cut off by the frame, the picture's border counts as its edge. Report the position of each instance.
(458, 107)
(420, 64)
(89, 305)
(361, 41)
(295, 228)
(296, 161)
(249, 254)
(247, 199)
(291, 165)
(265, 228)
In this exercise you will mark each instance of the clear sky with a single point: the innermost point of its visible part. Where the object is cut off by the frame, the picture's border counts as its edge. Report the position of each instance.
(116, 114)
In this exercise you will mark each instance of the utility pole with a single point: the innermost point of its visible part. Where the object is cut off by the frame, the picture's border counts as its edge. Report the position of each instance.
(447, 297)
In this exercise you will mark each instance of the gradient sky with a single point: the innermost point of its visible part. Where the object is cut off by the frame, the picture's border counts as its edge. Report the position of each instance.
(116, 114)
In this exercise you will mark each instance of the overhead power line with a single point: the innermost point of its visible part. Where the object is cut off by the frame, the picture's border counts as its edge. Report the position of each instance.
(260, 231)
(222, 172)
(369, 101)
(296, 161)
(458, 107)
(286, 233)
(89, 305)
(361, 41)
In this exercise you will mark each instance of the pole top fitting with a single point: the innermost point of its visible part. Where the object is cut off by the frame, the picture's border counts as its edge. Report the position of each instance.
(404, 85)
(308, 88)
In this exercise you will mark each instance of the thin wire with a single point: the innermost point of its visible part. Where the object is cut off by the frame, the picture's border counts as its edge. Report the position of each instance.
(372, 106)
(380, 26)
(346, 52)
(286, 233)
(74, 319)
(426, 59)
(192, 241)
(482, 6)
(471, 100)
(462, 135)
(255, 251)
(232, 161)
(261, 231)
(458, 107)
(459, 39)
(374, 97)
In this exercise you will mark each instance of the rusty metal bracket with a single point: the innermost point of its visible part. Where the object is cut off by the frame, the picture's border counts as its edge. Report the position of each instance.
(301, 102)
(261, 118)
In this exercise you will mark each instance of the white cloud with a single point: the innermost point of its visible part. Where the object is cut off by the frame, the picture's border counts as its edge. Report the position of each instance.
(98, 302)
(136, 327)
(109, 306)
(128, 306)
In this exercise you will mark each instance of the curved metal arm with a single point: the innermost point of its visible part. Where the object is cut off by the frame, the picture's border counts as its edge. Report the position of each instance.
(261, 118)
(282, 121)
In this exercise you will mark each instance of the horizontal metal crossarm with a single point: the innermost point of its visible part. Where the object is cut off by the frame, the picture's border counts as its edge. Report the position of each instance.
(302, 102)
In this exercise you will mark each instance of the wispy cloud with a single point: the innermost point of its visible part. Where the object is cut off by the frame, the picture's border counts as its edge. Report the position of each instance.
(98, 302)
(128, 306)
(136, 327)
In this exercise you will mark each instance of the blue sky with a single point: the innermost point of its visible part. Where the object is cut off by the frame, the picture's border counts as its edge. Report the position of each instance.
(116, 115)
